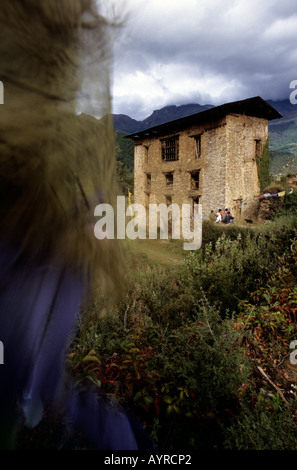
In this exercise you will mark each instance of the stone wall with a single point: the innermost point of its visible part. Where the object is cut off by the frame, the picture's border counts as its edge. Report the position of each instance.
(242, 173)
(227, 164)
(270, 206)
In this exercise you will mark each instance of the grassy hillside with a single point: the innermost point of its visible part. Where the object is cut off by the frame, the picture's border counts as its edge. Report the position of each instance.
(283, 139)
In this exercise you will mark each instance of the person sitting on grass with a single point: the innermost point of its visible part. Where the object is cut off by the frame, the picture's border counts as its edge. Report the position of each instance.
(212, 216)
(219, 216)
(228, 218)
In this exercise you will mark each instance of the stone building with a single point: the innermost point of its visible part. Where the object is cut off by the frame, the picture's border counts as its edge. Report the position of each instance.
(207, 158)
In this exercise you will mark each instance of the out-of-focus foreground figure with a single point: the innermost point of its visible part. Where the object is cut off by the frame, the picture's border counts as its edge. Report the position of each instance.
(56, 165)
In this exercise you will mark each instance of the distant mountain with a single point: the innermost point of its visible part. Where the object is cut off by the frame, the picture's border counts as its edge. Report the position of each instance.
(127, 125)
(283, 138)
(282, 132)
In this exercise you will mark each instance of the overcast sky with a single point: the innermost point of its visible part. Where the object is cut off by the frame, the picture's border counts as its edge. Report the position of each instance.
(202, 51)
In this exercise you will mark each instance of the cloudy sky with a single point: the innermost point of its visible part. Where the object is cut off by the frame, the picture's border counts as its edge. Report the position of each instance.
(202, 51)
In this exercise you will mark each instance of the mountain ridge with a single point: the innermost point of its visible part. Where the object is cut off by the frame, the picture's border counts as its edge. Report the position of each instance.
(282, 132)
(127, 125)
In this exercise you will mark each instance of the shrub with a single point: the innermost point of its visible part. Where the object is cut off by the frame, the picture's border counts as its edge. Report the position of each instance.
(270, 324)
(280, 232)
(177, 360)
(229, 271)
(267, 425)
(181, 378)
(211, 232)
(155, 292)
(290, 205)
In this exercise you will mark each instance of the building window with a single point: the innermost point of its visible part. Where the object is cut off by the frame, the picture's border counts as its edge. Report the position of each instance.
(195, 179)
(197, 146)
(170, 149)
(168, 200)
(148, 181)
(258, 149)
(169, 179)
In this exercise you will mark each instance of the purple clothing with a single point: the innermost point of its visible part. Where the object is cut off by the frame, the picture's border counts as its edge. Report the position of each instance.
(39, 305)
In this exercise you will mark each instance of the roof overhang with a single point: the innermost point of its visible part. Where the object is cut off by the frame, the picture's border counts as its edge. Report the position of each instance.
(256, 107)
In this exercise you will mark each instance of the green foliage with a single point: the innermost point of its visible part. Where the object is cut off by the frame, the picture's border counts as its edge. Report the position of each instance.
(229, 270)
(185, 375)
(156, 292)
(125, 163)
(280, 232)
(268, 318)
(211, 232)
(267, 425)
(125, 151)
(125, 178)
(173, 355)
(290, 205)
(270, 322)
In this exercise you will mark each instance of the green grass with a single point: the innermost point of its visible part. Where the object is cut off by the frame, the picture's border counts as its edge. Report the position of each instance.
(158, 252)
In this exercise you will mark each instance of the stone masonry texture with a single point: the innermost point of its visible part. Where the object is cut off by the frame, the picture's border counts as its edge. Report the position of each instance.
(222, 151)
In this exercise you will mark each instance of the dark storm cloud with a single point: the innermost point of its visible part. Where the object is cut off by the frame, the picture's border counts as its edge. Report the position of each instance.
(204, 51)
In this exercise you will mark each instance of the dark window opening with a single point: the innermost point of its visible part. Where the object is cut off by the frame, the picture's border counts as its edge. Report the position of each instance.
(168, 200)
(148, 180)
(170, 149)
(169, 180)
(195, 179)
(198, 146)
(258, 149)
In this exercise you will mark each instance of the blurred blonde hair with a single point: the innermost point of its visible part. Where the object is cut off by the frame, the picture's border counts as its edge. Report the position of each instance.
(57, 152)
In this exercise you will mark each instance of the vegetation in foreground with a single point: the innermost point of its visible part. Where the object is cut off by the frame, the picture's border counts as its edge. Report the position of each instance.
(199, 351)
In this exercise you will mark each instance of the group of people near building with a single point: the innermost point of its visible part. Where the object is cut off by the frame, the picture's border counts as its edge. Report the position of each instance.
(223, 216)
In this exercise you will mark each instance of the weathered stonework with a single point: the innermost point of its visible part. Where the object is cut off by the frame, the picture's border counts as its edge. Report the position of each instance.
(215, 163)
(270, 206)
